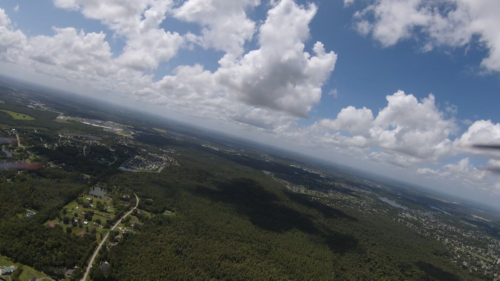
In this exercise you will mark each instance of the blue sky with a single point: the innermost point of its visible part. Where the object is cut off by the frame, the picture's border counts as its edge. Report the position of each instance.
(253, 76)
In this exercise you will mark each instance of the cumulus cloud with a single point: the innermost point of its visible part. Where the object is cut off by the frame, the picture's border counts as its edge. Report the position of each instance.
(464, 174)
(267, 88)
(12, 42)
(226, 26)
(406, 125)
(280, 75)
(72, 50)
(453, 23)
(147, 45)
(355, 121)
(480, 132)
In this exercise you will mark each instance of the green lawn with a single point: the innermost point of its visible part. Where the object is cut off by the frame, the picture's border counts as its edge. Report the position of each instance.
(123, 133)
(148, 214)
(28, 272)
(71, 207)
(62, 121)
(160, 130)
(18, 116)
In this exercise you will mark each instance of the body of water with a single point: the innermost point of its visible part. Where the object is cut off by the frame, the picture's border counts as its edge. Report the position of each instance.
(442, 211)
(97, 192)
(392, 203)
(127, 170)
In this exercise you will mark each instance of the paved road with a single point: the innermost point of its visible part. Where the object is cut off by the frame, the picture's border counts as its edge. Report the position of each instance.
(18, 140)
(106, 237)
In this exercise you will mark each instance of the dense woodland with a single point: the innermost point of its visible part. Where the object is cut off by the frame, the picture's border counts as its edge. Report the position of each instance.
(231, 222)
(228, 221)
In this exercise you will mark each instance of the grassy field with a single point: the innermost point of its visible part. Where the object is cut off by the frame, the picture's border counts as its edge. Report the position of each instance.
(18, 116)
(123, 133)
(62, 121)
(28, 272)
(160, 130)
(72, 209)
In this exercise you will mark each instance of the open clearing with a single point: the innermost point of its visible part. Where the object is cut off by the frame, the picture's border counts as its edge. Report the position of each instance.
(62, 121)
(18, 116)
(28, 272)
(160, 130)
(72, 209)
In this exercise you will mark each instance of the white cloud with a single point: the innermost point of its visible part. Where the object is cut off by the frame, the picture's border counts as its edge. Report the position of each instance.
(147, 51)
(415, 128)
(16, 9)
(280, 75)
(72, 50)
(494, 163)
(12, 42)
(122, 16)
(480, 132)
(348, 3)
(355, 121)
(138, 21)
(427, 171)
(266, 89)
(225, 25)
(334, 93)
(453, 23)
(464, 174)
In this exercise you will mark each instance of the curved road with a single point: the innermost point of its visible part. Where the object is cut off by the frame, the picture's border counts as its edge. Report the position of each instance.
(106, 237)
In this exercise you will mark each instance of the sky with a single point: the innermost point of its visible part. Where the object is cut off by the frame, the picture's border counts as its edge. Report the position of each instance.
(399, 87)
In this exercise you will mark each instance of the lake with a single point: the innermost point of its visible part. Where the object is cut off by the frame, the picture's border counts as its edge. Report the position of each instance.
(442, 211)
(98, 192)
(392, 203)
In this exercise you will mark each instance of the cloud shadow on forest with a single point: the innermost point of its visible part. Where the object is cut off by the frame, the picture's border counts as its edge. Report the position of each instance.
(264, 210)
(327, 211)
(435, 272)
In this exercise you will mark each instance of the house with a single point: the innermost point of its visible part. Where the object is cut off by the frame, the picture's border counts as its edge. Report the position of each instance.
(69, 272)
(105, 267)
(88, 199)
(82, 213)
(7, 270)
(135, 223)
(30, 214)
(91, 206)
(85, 223)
